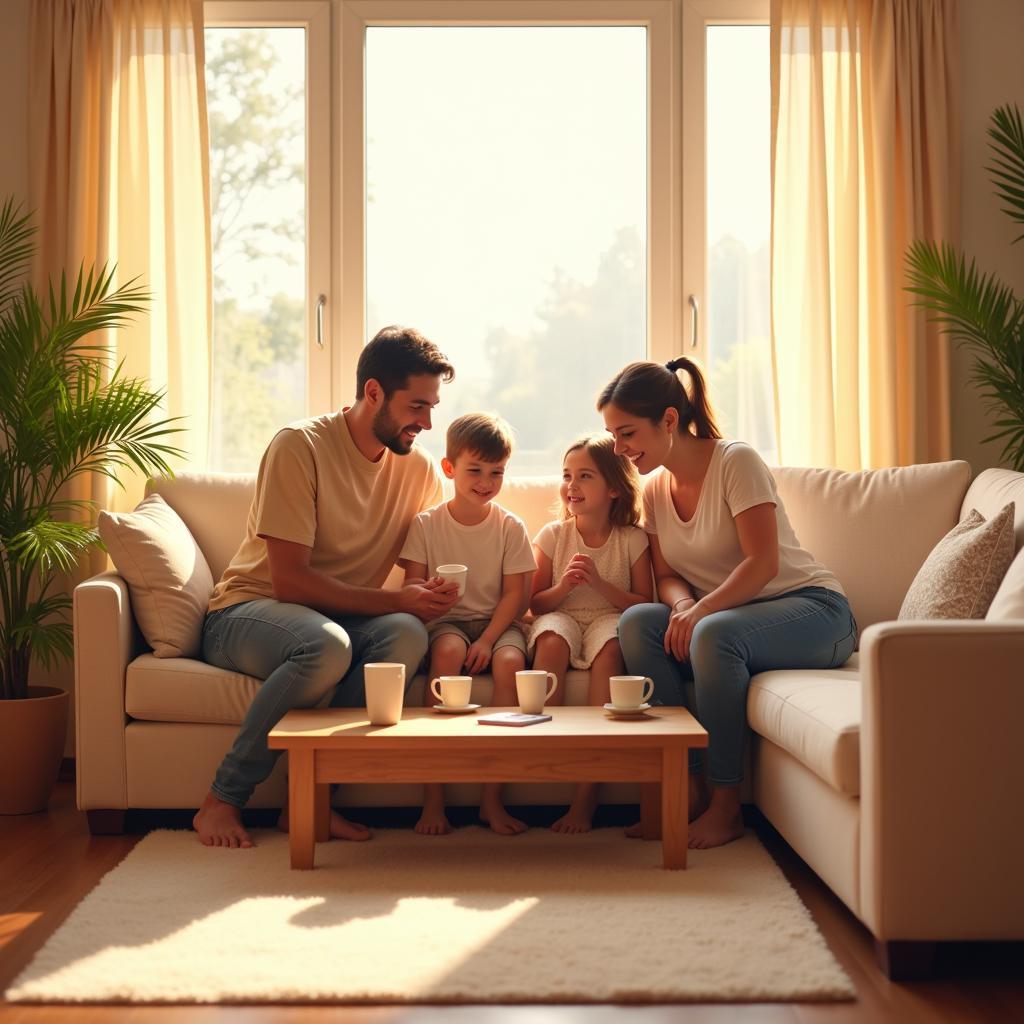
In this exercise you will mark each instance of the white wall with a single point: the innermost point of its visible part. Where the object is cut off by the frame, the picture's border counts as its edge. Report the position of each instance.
(993, 75)
(14, 90)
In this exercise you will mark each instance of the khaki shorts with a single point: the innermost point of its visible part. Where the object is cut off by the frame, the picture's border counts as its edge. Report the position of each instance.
(472, 629)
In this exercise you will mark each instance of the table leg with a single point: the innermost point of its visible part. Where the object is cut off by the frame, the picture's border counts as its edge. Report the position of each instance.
(674, 807)
(322, 812)
(650, 810)
(301, 811)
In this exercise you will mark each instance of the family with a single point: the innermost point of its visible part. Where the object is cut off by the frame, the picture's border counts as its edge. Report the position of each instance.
(341, 498)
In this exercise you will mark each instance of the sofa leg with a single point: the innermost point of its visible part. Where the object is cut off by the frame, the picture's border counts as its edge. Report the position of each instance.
(106, 822)
(905, 961)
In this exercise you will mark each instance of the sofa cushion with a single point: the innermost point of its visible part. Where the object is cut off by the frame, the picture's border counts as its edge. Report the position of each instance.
(989, 492)
(874, 528)
(814, 714)
(184, 690)
(167, 576)
(962, 574)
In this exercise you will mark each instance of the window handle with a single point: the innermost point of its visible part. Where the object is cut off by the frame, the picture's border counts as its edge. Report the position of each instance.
(320, 303)
(693, 321)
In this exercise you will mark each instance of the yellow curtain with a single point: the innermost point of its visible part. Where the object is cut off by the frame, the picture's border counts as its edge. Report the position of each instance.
(865, 158)
(119, 161)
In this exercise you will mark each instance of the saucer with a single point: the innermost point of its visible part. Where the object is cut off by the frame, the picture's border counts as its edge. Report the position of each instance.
(456, 709)
(616, 710)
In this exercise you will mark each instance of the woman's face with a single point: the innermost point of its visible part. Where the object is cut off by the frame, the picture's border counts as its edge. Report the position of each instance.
(644, 443)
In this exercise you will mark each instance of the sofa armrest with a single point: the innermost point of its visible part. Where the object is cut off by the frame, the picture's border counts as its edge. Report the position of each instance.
(942, 780)
(105, 642)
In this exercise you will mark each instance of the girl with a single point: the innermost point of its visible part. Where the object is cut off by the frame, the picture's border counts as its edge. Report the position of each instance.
(591, 564)
(740, 594)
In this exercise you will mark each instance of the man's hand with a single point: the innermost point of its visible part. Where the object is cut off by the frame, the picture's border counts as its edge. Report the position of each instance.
(680, 628)
(428, 600)
(478, 656)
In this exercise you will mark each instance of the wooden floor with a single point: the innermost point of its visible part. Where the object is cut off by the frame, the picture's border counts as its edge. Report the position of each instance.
(48, 862)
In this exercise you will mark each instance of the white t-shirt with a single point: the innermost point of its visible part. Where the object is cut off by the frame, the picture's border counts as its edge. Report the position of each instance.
(497, 547)
(705, 549)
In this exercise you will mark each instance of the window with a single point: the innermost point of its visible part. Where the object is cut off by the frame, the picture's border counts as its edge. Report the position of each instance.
(538, 186)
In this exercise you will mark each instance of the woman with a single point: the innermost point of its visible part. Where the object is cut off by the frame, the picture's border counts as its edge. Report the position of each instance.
(739, 593)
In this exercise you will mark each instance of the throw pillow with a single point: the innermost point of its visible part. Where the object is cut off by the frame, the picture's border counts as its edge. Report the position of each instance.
(1009, 600)
(962, 574)
(167, 576)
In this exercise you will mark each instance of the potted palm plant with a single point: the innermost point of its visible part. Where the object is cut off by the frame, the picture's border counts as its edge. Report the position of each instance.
(977, 310)
(65, 410)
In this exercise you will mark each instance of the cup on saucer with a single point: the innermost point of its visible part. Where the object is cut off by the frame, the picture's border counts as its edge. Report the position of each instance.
(628, 693)
(452, 691)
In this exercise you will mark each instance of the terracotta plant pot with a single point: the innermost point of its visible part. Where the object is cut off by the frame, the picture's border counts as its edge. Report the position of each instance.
(32, 735)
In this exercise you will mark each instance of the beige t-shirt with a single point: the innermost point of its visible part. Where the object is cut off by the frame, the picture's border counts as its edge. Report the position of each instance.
(316, 488)
(706, 549)
(497, 547)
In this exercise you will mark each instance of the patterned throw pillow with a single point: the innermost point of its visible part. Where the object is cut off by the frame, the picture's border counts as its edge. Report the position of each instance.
(962, 574)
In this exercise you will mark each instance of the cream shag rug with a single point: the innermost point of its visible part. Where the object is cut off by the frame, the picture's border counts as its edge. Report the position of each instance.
(468, 918)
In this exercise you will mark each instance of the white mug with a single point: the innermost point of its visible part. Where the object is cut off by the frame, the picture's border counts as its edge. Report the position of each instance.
(454, 573)
(530, 689)
(385, 690)
(452, 691)
(630, 691)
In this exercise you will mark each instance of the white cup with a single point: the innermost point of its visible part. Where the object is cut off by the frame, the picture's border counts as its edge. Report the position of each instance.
(630, 691)
(454, 573)
(531, 685)
(452, 691)
(385, 690)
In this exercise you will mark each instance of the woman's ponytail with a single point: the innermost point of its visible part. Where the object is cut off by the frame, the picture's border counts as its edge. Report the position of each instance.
(648, 389)
(702, 416)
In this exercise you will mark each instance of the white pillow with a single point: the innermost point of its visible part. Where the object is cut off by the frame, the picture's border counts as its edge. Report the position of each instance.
(960, 577)
(1009, 600)
(167, 576)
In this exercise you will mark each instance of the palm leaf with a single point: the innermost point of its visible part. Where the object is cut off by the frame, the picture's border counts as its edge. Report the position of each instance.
(15, 248)
(1007, 169)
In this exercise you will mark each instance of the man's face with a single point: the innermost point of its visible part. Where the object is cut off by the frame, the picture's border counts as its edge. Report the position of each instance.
(407, 412)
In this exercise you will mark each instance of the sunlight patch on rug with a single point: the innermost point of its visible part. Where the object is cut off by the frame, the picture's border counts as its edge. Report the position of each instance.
(470, 917)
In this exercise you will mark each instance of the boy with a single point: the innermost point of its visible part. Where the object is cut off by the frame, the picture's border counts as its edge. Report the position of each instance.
(480, 629)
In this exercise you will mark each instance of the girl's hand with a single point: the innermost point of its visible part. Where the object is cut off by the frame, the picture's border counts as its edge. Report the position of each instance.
(583, 569)
(478, 656)
(680, 628)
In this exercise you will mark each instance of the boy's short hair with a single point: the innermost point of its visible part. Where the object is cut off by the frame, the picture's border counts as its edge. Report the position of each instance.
(479, 433)
(394, 355)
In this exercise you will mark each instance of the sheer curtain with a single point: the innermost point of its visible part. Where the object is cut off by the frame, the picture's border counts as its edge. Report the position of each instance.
(119, 160)
(865, 158)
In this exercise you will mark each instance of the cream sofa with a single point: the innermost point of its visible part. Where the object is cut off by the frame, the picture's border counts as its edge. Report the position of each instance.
(895, 777)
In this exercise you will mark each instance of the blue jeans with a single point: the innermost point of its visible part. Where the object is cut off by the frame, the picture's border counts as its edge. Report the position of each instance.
(301, 655)
(807, 628)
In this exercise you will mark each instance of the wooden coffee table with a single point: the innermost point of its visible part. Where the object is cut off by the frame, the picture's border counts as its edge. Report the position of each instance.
(579, 744)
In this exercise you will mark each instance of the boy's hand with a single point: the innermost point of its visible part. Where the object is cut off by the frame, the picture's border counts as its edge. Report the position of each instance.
(428, 600)
(478, 656)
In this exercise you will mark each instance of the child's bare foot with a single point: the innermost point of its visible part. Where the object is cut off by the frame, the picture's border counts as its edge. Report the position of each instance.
(220, 824)
(574, 821)
(341, 828)
(717, 826)
(433, 822)
(501, 821)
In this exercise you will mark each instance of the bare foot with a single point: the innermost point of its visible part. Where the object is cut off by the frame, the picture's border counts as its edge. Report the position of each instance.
(220, 824)
(341, 828)
(501, 821)
(433, 822)
(716, 827)
(574, 821)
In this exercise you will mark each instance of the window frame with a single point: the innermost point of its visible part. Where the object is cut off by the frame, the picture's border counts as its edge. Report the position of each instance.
(315, 17)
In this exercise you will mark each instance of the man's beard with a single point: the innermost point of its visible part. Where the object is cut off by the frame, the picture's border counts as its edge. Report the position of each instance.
(389, 433)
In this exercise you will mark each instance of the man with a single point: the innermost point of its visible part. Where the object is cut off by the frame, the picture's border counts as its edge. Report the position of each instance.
(301, 605)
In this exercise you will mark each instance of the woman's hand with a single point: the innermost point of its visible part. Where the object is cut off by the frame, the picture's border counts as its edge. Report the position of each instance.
(686, 613)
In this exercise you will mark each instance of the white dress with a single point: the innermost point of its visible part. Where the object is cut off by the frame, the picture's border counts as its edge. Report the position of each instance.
(585, 620)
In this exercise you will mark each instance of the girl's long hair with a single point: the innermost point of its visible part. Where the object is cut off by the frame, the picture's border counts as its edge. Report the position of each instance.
(619, 474)
(648, 389)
